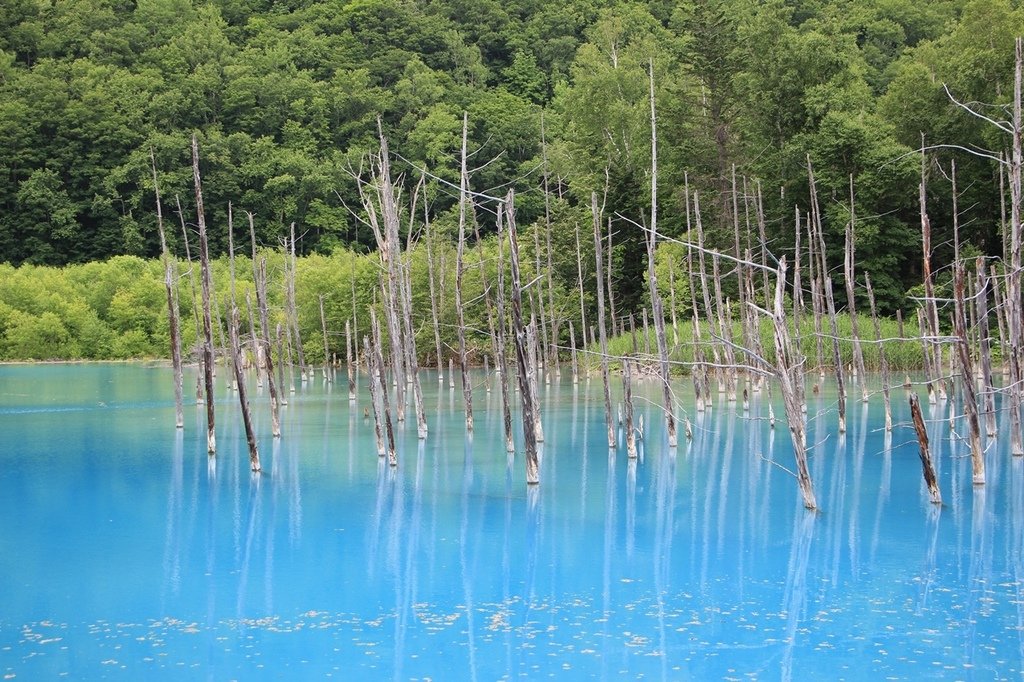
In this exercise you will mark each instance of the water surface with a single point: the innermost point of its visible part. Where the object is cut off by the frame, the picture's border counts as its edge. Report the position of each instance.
(127, 553)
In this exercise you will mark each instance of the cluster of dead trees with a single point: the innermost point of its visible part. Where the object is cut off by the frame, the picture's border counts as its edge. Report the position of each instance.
(960, 365)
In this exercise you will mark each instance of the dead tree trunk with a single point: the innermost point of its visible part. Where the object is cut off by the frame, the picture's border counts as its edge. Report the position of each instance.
(848, 262)
(522, 361)
(967, 374)
(985, 349)
(598, 260)
(259, 274)
(883, 362)
(195, 301)
(627, 401)
(467, 386)
(433, 292)
(348, 362)
(374, 382)
(789, 372)
(293, 313)
(657, 306)
(207, 286)
(926, 456)
(243, 400)
(327, 350)
(172, 303)
(501, 343)
(1014, 313)
(384, 399)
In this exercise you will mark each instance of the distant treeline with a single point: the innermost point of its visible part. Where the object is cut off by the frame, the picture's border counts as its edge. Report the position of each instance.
(117, 309)
(285, 98)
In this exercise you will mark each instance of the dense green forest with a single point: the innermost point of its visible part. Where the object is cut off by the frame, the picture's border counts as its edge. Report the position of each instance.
(285, 98)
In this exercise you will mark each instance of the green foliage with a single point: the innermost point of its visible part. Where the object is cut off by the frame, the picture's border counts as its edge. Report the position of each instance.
(285, 100)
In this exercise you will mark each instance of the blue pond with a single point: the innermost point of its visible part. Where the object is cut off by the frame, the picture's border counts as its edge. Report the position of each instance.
(127, 553)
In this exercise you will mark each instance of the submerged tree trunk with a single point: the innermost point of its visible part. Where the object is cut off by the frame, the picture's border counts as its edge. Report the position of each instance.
(926, 456)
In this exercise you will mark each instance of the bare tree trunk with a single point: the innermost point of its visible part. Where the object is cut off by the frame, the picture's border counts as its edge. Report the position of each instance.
(172, 303)
(243, 400)
(375, 384)
(433, 294)
(293, 313)
(598, 260)
(195, 302)
(327, 350)
(412, 360)
(1014, 313)
(883, 362)
(985, 349)
(627, 400)
(348, 362)
(609, 290)
(526, 395)
(926, 456)
(467, 386)
(931, 309)
(788, 361)
(259, 275)
(384, 399)
(967, 374)
(652, 279)
(848, 272)
(501, 344)
(575, 361)
(204, 264)
(579, 279)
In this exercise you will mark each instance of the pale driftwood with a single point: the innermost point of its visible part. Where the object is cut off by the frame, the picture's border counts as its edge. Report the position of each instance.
(172, 302)
(522, 361)
(967, 374)
(926, 456)
(598, 258)
(207, 286)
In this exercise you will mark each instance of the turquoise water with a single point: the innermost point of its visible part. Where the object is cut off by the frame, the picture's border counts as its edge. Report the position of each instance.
(126, 553)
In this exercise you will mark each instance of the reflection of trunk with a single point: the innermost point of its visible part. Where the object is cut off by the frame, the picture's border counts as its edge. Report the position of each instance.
(795, 600)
